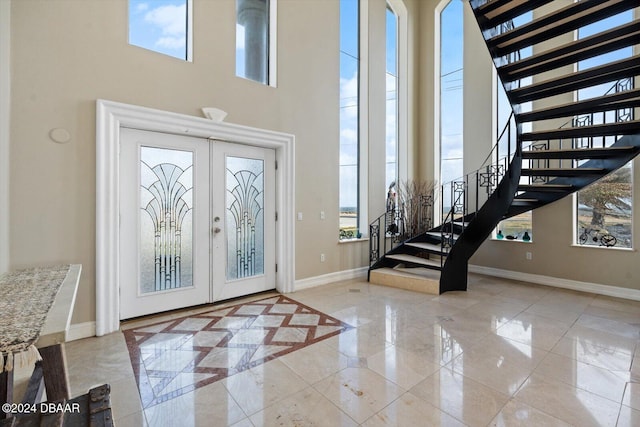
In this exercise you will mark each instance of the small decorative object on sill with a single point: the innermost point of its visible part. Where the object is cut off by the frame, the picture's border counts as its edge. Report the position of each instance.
(500, 236)
(526, 237)
(215, 114)
(359, 235)
(510, 237)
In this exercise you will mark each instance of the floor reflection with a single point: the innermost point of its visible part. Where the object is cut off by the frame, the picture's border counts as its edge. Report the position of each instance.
(504, 353)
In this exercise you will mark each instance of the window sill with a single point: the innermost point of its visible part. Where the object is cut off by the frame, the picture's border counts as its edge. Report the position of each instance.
(574, 245)
(362, 239)
(510, 240)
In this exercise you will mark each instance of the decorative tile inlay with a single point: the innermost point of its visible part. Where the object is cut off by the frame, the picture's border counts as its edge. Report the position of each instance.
(171, 358)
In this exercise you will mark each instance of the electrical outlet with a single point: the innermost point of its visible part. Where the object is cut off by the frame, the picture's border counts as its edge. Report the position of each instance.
(322, 258)
(299, 216)
(322, 216)
(529, 256)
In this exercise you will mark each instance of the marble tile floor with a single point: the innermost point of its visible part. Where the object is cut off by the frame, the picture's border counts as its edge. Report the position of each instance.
(504, 353)
(174, 357)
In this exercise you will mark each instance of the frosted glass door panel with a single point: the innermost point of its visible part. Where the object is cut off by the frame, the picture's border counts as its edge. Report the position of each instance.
(164, 222)
(244, 217)
(244, 220)
(166, 219)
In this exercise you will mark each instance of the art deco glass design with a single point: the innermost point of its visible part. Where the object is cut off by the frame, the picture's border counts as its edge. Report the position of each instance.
(166, 203)
(245, 217)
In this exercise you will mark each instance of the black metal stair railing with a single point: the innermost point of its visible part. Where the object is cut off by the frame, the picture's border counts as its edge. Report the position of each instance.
(604, 116)
(396, 226)
(388, 230)
(468, 193)
(391, 229)
(557, 161)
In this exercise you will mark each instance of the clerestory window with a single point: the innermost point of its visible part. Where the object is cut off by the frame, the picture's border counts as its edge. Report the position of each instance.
(255, 40)
(163, 26)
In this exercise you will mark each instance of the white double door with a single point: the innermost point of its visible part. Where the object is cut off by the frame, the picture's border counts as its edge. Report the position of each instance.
(197, 221)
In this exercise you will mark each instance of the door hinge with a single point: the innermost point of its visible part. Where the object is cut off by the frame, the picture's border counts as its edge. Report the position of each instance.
(276, 268)
(276, 216)
(276, 165)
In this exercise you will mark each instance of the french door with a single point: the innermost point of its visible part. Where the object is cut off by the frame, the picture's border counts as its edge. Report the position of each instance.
(197, 221)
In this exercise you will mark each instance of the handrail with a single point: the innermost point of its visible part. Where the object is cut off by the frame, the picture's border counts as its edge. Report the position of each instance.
(487, 177)
(389, 230)
(394, 227)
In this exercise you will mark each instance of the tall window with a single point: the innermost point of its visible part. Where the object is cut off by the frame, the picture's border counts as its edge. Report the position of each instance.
(253, 39)
(349, 117)
(515, 227)
(604, 214)
(451, 95)
(163, 26)
(391, 143)
(519, 227)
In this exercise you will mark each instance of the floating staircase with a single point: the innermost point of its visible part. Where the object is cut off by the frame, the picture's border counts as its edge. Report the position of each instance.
(545, 162)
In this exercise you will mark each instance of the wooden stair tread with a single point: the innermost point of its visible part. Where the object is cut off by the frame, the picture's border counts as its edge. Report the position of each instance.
(497, 12)
(438, 235)
(608, 129)
(618, 100)
(612, 71)
(426, 246)
(570, 53)
(558, 22)
(576, 153)
(546, 187)
(525, 200)
(414, 260)
(562, 171)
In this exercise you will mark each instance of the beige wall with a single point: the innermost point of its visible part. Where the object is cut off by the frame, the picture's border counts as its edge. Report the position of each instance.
(68, 53)
(479, 89)
(5, 90)
(428, 88)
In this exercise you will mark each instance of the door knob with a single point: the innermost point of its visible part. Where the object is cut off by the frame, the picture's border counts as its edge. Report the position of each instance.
(216, 219)
(217, 230)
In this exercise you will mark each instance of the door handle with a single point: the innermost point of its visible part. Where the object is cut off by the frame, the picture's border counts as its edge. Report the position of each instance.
(216, 230)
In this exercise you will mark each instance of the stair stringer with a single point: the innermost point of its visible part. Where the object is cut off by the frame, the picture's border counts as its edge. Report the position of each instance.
(481, 224)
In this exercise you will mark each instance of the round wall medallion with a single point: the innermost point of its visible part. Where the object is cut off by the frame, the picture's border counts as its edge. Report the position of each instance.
(59, 135)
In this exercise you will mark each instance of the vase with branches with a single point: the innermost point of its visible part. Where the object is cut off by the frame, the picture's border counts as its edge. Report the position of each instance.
(415, 202)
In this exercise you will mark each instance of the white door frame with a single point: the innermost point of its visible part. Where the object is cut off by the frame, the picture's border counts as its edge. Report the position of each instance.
(110, 117)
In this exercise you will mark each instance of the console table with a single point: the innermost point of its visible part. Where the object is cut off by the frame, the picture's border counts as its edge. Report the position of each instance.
(46, 326)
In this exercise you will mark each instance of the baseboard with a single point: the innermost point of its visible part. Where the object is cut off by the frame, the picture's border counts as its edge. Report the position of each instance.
(595, 288)
(78, 331)
(312, 282)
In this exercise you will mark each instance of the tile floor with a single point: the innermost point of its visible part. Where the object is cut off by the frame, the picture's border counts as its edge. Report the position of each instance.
(503, 353)
(174, 357)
